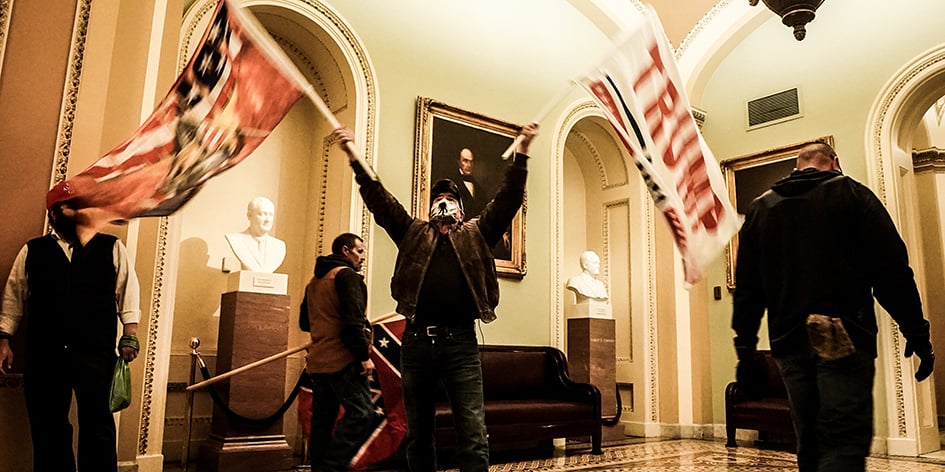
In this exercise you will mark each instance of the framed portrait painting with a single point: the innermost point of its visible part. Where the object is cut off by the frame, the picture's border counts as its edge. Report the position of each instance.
(749, 176)
(466, 147)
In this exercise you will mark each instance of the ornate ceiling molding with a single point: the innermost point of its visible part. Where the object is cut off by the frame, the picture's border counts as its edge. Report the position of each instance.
(931, 159)
(6, 7)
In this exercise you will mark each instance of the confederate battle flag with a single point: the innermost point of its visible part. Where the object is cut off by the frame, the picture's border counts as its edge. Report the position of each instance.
(388, 397)
(391, 426)
(236, 88)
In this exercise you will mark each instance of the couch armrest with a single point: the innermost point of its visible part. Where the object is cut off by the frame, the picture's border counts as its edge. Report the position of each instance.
(567, 389)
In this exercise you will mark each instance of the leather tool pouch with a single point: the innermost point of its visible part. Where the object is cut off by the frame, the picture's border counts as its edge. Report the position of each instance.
(828, 337)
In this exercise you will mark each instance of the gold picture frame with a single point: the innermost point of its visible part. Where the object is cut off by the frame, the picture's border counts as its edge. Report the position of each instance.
(749, 176)
(442, 131)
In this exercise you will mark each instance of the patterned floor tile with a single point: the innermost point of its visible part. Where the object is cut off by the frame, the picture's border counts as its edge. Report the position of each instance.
(695, 456)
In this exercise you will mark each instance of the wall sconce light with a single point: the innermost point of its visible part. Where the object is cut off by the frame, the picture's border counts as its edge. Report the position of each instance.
(794, 13)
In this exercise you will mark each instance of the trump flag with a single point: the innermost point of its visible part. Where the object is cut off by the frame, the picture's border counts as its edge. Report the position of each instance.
(643, 97)
(236, 88)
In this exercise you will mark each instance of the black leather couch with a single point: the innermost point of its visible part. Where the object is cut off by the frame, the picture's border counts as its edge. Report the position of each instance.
(529, 397)
(769, 413)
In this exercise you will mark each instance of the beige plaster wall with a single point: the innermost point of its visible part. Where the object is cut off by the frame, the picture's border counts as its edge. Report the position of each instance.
(488, 57)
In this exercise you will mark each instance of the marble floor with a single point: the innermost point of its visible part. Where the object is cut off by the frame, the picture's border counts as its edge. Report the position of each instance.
(653, 455)
(680, 456)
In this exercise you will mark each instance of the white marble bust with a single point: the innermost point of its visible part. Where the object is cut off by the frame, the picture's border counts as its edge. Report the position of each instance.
(585, 285)
(256, 250)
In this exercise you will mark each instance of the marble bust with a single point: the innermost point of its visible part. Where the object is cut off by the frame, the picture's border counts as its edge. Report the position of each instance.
(254, 247)
(585, 285)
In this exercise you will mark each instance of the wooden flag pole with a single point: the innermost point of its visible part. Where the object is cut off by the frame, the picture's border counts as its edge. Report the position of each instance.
(335, 124)
(540, 116)
(249, 366)
(285, 64)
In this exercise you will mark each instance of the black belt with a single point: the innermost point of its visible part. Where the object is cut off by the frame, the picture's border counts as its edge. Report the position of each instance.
(433, 331)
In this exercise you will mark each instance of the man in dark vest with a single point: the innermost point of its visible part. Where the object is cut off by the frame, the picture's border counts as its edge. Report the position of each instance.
(72, 287)
(339, 361)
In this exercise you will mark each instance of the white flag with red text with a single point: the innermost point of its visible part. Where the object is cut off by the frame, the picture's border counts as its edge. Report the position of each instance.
(236, 88)
(641, 93)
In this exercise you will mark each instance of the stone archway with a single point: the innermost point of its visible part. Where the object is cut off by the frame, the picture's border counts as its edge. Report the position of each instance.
(895, 114)
(355, 98)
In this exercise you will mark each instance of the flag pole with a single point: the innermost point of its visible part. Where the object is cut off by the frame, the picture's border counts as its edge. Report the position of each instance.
(538, 117)
(279, 57)
(251, 365)
(335, 124)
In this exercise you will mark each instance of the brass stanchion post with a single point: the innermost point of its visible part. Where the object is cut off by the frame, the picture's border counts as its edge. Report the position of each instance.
(185, 449)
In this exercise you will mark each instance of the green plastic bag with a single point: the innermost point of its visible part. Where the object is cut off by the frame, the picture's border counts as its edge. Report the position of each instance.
(120, 396)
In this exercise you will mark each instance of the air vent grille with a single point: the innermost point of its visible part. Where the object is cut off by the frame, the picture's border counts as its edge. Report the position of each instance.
(776, 107)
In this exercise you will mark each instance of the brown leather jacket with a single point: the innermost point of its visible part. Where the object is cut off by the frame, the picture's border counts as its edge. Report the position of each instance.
(473, 240)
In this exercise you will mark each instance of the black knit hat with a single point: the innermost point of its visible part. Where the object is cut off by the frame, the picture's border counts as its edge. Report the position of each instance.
(445, 186)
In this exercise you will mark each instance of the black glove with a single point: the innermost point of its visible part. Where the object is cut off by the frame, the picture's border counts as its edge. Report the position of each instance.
(750, 373)
(922, 349)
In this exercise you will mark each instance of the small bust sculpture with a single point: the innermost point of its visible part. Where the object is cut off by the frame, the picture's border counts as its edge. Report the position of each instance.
(256, 250)
(585, 285)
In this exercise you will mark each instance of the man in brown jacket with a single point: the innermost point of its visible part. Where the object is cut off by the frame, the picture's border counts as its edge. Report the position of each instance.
(444, 281)
(339, 360)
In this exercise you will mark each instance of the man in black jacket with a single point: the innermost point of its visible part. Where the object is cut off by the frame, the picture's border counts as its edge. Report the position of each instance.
(444, 280)
(814, 251)
(339, 361)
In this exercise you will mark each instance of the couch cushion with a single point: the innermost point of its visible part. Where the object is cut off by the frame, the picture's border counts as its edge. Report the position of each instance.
(515, 374)
(762, 406)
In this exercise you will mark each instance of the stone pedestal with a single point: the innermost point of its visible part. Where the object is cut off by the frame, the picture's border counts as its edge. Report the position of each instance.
(592, 357)
(252, 326)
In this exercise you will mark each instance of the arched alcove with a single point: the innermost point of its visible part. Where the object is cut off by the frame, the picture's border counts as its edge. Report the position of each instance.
(603, 207)
(297, 168)
(893, 129)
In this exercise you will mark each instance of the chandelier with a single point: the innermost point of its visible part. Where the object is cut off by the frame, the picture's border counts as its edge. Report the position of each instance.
(794, 13)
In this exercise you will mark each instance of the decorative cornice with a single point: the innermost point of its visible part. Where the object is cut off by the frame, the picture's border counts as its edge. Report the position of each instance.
(892, 96)
(884, 118)
(154, 323)
(323, 195)
(6, 6)
(706, 19)
(652, 359)
(310, 71)
(698, 115)
(604, 181)
(353, 45)
(80, 33)
(931, 159)
(574, 115)
(605, 228)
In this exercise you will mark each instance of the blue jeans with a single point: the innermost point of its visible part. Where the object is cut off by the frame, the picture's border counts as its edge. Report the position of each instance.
(832, 409)
(347, 388)
(453, 360)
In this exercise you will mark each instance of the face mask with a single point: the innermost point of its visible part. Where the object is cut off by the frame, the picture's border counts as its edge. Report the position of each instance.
(444, 210)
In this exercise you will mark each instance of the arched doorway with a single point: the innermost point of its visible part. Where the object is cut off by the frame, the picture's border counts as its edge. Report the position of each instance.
(314, 199)
(891, 135)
